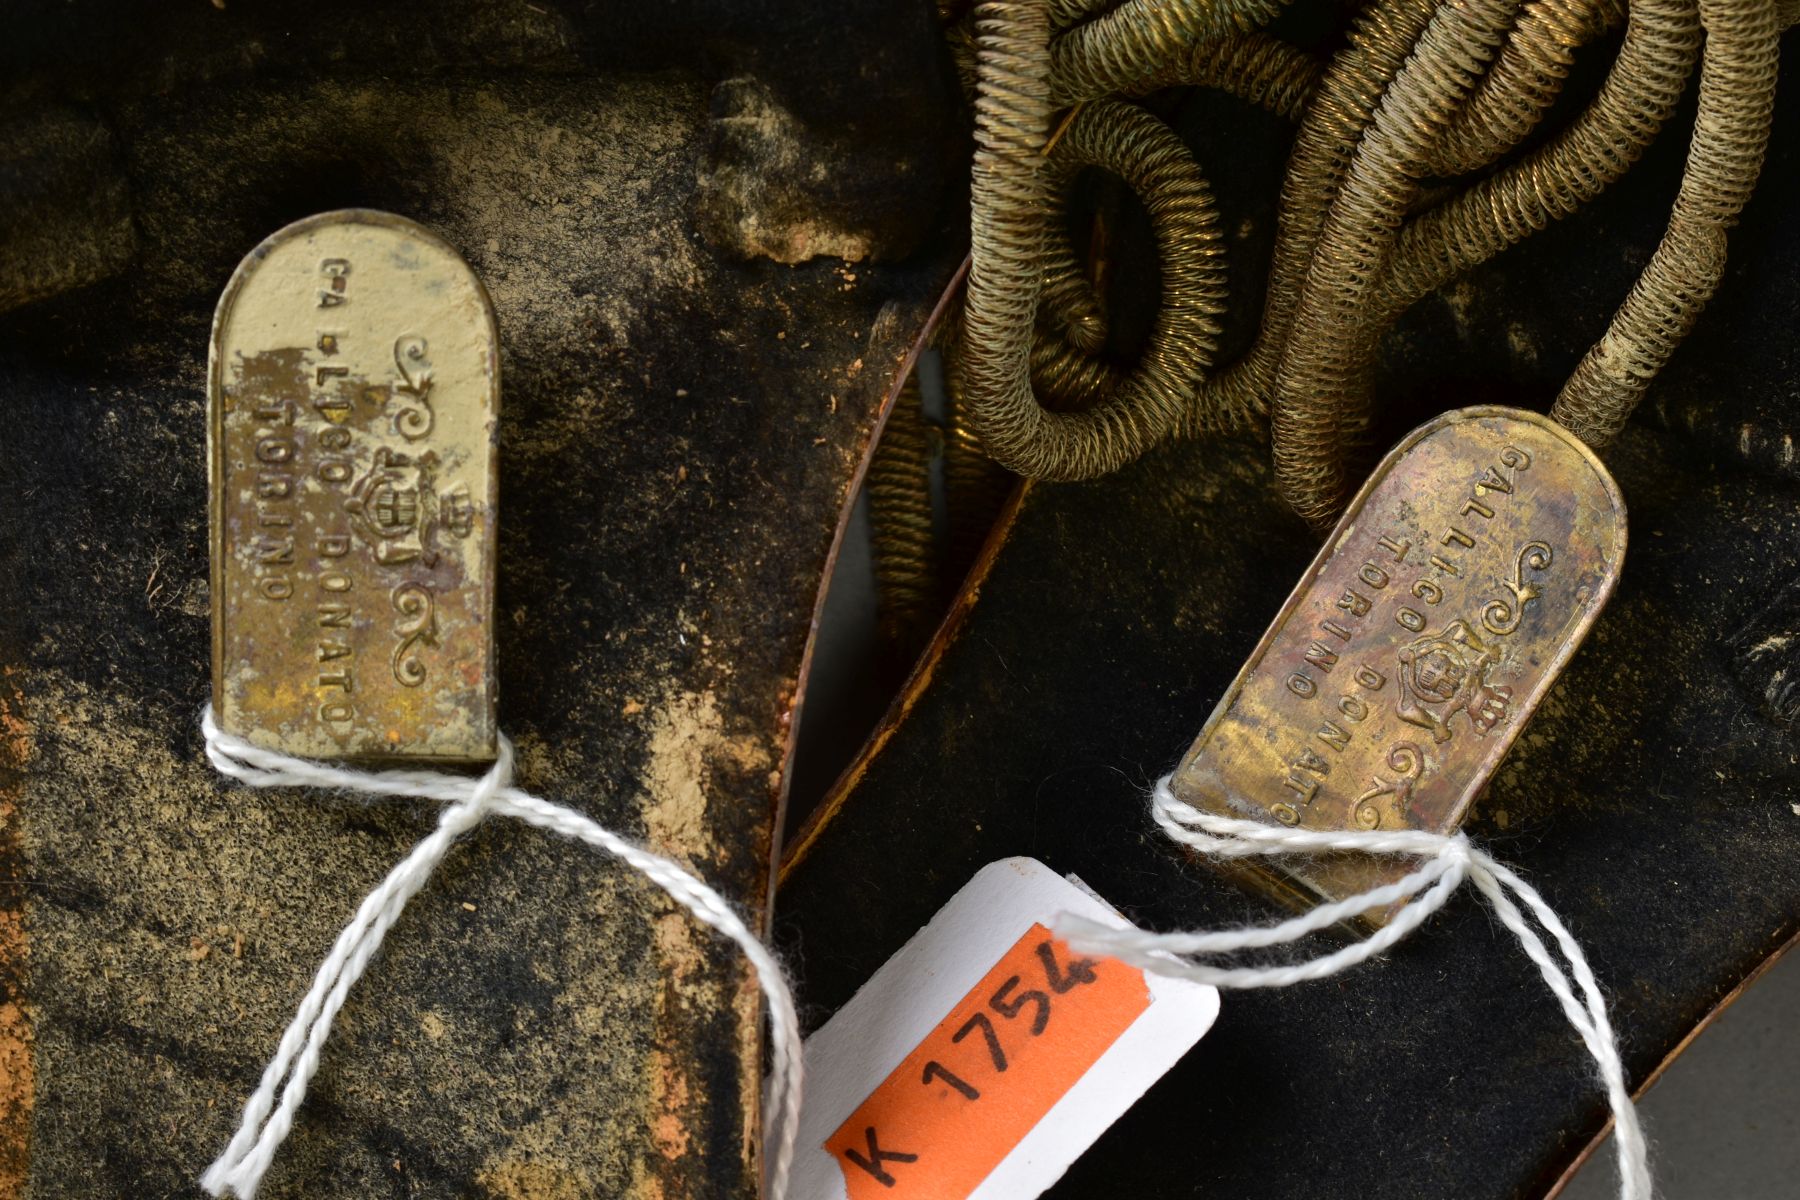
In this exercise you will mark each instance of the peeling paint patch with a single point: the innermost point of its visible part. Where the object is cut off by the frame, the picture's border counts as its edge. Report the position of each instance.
(759, 197)
(687, 740)
(18, 1063)
(670, 1084)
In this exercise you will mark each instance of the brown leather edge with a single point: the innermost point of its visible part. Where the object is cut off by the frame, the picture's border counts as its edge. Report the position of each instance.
(945, 634)
(796, 708)
(1650, 1080)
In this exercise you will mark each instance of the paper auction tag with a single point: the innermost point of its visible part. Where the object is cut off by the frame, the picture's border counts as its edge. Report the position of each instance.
(984, 1058)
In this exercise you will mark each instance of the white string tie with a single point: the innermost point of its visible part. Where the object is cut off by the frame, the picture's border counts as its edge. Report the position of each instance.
(240, 1169)
(1446, 862)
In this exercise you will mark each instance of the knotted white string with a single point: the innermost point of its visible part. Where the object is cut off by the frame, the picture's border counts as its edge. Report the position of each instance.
(241, 1167)
(1447, 860)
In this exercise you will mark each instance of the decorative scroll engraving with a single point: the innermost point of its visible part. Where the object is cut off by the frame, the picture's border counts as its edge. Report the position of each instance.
(415, 420)
(1503, 618)
(416, 602)
(1408, 759)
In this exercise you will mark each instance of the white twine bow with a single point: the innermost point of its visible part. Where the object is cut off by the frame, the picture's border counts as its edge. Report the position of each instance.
(1446, 862)
(240, 1169)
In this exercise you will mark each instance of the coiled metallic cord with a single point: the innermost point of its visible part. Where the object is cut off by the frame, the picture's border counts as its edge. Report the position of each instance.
(1640, 92)
(1320, 405)
(1406, 172)
(907, 578)
(1380, 40)
(1423, 91)
(1010, 236)
(1104, 54)
(1509, 101)
(1731, 135)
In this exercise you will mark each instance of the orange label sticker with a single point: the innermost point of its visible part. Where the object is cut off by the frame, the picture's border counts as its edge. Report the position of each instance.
(991, 1070)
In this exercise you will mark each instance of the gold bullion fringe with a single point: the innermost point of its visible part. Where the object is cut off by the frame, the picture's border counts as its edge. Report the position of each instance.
(1320, 402)
(1012, 241)
(1423, 91)
(904, 546)
(1731, 134)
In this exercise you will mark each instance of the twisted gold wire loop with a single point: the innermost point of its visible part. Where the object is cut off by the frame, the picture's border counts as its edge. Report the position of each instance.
(1103, 55)
(1640, 92)
(1525, 80)
(1064, 369)
(903, 541)
(1122, 139)
(1731, 135)
(1320, 402)
(1425, 90)
(1346, 95)
(1010, 234)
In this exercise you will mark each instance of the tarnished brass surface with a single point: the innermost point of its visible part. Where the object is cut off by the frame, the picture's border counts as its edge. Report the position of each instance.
(1433, 621)
(353, 395)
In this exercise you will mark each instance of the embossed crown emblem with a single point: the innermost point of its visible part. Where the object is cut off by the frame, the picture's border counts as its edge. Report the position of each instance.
(394, 508)
(456, 510)
(1443, 674)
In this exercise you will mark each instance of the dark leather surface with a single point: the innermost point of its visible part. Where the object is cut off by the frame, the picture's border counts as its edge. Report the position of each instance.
(1652, 799)
(679, 431)
(1648, 800)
